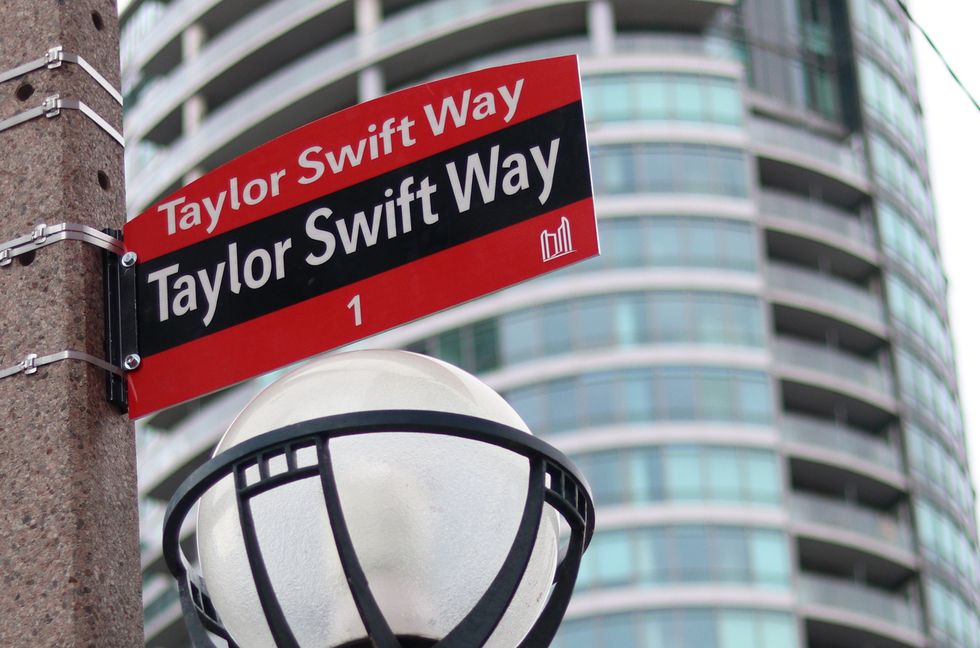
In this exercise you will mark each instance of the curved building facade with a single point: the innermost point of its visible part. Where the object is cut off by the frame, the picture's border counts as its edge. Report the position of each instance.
(756, 376)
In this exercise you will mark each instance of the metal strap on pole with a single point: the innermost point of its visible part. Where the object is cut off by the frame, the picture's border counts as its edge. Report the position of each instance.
(44, 235)
(75, 104)
(52, 107)
(54, 58)
(92, 72)
(32, 361)
(22, 117)
(21, 70)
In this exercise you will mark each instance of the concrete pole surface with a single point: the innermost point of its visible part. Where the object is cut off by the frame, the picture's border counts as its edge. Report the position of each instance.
(69, 549)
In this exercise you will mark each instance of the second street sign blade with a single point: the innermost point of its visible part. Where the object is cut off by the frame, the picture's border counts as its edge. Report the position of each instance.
(358, 222)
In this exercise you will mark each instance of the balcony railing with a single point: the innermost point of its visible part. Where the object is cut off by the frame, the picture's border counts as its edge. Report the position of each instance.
(809, 355)
(418, 20)
(314, 70)
(333, 60)
(139, 156)
(857, 519)
(195, 434)
(813, 212)
(150, 17)
(858, 598)
(841, 293)
(674, 44)
(841, 439)
(160, 603)
(161, 613)
(164, 95)
(846, 155)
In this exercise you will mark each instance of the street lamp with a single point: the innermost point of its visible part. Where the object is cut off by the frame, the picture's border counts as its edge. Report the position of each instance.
(380, 498)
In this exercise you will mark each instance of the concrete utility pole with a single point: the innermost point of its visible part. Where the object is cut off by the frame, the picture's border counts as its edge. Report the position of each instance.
(69, 553)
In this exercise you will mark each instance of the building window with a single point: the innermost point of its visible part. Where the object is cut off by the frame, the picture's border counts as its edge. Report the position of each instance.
(916, 315)
(933, 463)
(945, 541)
(682, 628)
(673, 241)
(922, 387)
(669, 168)
(668, 393)
(952, 617)
(683, 473)
(662, 96)
(607, 321)
(687, 554)
(904, 242)
(875, 22)
(900, 176)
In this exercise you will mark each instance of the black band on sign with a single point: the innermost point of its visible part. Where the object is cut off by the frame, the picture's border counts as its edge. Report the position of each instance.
(393, 219)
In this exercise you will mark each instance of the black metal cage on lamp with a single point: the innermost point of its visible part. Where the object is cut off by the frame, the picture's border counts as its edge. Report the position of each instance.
(551, 479)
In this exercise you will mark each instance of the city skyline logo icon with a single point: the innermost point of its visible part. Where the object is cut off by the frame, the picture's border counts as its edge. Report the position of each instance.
(558, 243)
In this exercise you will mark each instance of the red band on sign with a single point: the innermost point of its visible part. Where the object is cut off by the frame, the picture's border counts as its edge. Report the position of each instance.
(380, 135)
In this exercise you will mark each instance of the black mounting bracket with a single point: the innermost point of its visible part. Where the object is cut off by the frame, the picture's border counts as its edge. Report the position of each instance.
(121, 341)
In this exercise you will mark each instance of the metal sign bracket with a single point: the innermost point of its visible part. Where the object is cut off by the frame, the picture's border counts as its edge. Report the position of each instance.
(121, 342)
(119, 288)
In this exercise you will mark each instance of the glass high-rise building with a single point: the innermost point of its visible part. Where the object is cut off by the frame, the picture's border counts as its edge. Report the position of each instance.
(756, 376)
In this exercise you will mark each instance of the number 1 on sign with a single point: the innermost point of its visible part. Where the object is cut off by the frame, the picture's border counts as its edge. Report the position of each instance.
(355, 304)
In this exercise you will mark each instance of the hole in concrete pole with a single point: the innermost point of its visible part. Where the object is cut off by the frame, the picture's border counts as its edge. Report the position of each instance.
(103, 181)
(97, 20)
(27, 258)
(24, 91)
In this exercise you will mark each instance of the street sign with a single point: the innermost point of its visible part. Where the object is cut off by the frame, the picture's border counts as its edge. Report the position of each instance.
(358, 222)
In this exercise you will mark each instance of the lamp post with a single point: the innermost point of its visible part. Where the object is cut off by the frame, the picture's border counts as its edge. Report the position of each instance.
(380, 498)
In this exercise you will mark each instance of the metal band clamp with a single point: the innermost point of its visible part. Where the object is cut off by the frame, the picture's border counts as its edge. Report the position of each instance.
(53, 58)
(32, 361)
(52, 107)
(119, 288)
(44, 235)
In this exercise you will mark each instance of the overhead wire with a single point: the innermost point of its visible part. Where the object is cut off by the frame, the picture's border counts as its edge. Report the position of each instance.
(949, 68)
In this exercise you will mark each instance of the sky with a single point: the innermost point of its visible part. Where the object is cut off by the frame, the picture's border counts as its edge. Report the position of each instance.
(953, 130)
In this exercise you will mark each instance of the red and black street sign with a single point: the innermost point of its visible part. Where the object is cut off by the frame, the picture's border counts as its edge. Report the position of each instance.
(358, 222)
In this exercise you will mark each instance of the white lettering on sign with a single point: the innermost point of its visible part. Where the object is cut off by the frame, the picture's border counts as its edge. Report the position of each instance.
(210, 287)
(393, 132)
(382, 138)
(408, 205)
(180, 296)
(183, 215)
(515, 179)
(375, 144)
(482, 106)
(402, 211)
(364, 229)
(355, 304)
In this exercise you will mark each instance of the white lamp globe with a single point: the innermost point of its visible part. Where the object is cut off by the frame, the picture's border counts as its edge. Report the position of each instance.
(431, 517)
